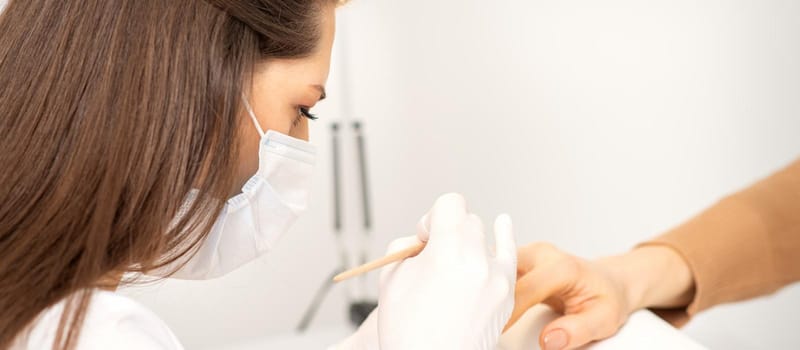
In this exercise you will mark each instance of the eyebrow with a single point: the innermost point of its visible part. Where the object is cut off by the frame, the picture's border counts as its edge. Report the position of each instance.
(322, 93)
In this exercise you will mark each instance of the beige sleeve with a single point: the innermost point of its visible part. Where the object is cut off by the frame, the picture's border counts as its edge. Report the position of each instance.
(746, 245)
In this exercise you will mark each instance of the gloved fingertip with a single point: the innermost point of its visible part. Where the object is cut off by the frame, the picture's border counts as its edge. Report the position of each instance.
(451, 199)
(424, 228)
(505, 243)
(503, 222)
(449, 208)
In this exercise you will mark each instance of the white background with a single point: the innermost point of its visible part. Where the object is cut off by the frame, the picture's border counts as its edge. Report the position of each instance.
(594, 124)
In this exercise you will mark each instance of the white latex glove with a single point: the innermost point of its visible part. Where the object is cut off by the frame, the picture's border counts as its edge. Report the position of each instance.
(365, 338)
(455, 294)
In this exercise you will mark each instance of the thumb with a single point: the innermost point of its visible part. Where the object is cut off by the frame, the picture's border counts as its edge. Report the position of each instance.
(394, 247)
(402, 243)
(575, 330)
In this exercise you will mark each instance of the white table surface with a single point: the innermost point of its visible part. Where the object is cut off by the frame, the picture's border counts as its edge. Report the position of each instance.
(642, 331)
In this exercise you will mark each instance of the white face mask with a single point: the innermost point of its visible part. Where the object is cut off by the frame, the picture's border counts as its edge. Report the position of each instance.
(272, 199)
(255, 219)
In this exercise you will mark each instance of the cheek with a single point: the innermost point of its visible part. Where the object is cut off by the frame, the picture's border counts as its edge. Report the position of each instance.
(273, 111)
(300, 131)
(278, 120)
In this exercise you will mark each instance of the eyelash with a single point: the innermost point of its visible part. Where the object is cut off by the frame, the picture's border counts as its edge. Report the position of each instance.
(303, 112)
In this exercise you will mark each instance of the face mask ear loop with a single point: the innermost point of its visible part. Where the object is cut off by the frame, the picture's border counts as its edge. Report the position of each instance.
(252, 115)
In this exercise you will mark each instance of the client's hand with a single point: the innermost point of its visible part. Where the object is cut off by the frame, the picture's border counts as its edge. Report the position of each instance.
(596, 297)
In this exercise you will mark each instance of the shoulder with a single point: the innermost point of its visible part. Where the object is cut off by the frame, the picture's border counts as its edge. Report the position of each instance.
(112, 322)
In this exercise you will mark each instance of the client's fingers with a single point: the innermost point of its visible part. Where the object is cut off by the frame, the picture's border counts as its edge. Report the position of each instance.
(574, 330)
(536, 254)
(535, 287)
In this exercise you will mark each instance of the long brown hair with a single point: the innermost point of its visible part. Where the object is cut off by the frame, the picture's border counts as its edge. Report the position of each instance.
(110, 113)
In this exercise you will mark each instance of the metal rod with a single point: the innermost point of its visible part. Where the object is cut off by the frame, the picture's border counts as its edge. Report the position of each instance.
(362, 164)
(319, 296)
(337, 193)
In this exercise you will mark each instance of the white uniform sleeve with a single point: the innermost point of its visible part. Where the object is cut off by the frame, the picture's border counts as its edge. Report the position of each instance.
(139, 330)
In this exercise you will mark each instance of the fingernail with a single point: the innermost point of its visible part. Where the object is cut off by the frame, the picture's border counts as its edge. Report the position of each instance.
(556, 340)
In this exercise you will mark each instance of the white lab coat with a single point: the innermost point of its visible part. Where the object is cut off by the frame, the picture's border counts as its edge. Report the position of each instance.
(116, 322)
(112, 322)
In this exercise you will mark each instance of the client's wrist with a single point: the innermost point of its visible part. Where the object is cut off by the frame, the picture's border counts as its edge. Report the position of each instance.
(652, 276)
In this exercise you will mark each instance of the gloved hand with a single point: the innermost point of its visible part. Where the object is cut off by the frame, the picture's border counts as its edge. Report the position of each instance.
(455, 294)
(365, 338)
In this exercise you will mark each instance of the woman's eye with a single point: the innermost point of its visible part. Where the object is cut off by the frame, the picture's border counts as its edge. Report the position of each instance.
(304, 112)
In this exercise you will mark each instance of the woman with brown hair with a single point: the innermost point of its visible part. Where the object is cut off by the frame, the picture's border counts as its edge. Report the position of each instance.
(127, 124)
